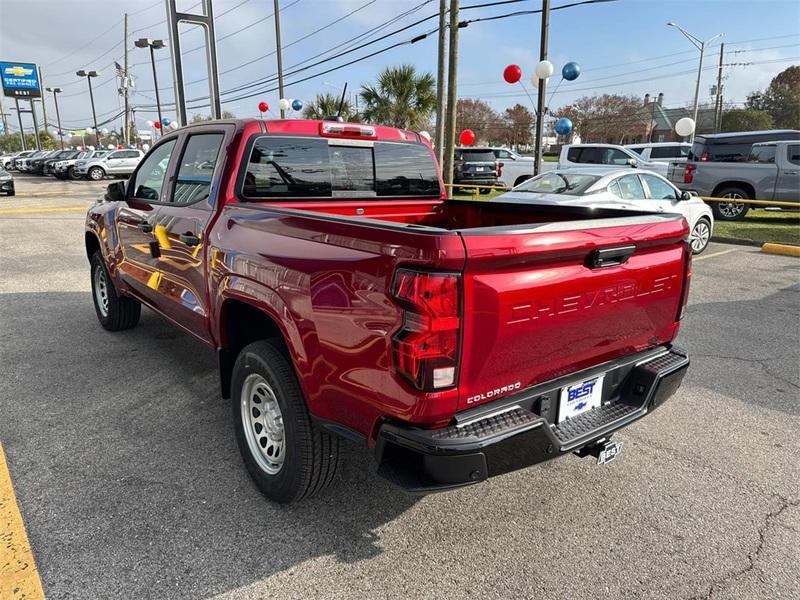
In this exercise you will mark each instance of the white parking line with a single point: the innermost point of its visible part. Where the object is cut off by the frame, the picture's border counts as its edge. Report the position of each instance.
(715, 254)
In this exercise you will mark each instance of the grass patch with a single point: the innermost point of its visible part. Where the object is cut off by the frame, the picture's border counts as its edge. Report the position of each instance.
(782, 227)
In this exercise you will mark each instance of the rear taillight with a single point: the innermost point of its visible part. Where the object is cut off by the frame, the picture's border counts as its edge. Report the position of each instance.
(499, 169)
(426, 348)
(687, 280)
(704, 156)
(688, 174)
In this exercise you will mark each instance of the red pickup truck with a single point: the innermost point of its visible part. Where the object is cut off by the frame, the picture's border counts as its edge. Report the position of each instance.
(347, 297)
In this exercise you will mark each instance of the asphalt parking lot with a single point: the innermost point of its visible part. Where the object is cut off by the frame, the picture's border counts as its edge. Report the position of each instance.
(126, 471)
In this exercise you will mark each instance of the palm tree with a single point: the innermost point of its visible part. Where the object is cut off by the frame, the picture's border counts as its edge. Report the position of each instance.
(325, 105)
(402, 98)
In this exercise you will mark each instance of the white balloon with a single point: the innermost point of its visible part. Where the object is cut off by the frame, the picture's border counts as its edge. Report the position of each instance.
(535, 81)
(149, 123)
(111, 146)
(173, 125)
(544, 69)
(146, 147)
(284, 104)
(426, 135)
(684, 127)
(91, 147)
(104, 131)
(89, 131)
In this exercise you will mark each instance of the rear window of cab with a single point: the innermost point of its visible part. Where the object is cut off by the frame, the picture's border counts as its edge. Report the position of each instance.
(308, 168)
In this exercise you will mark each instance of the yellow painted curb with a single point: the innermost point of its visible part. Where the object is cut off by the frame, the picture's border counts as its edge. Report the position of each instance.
(19, 577)
(784, 249)
(25, 211)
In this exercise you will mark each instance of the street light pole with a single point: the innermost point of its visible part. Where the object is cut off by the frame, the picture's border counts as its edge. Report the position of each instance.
(540, 106)
(89, 75)
(700, 45)
(153, 45)
(56, 91)
(278, 52)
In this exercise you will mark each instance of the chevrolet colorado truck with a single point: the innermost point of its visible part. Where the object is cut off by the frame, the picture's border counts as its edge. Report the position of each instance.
(348, 298)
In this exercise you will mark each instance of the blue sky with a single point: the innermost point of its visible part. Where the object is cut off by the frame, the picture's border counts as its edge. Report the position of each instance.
(622, 47)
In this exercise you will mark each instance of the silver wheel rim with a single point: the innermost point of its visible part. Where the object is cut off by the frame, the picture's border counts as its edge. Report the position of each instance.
(101, 291)
(700, 236)
(96, 174)
(263, 423)
(731, 209)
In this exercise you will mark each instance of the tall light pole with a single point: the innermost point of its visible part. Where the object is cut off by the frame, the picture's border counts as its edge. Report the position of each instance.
(153, 45)
(89, 75)
(277, 11)
(700, 45)
(56, 91)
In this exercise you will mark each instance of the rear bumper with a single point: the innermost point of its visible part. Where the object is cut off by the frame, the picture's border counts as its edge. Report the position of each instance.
(519, 431)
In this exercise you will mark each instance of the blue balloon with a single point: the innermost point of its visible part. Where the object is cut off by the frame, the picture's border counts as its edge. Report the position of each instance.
(570, 71)
(165, 122)
(297, 105)
(563, 126)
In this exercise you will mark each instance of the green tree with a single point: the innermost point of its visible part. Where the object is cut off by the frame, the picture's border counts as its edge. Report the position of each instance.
(607, 118)
(198, 118)
(781, 99)
(326, 105)
(519, 125)
(401, 98)
(746, 119)
(481, 118)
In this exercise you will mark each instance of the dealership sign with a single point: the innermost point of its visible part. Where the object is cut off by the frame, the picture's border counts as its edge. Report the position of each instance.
(20, 80)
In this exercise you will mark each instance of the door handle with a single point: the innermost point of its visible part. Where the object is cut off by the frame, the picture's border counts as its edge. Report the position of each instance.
(609, 257)
(146, 227)
(790, 172)
(189, 239)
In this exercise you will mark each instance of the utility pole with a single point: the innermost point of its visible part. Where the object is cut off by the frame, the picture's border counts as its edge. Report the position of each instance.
(3, 116)
(56, 91)
(441, 70)
(35, 125)
(452, 95)
(718, 104)
(537, 165)
(21, 130)
(278, 52)
(44, 104)
(126, 81)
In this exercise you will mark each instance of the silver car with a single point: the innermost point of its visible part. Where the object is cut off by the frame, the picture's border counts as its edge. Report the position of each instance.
(116, 163)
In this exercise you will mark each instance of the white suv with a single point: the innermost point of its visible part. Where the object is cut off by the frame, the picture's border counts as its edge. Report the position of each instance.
(117, 163)
(662, 151)
(608, 156)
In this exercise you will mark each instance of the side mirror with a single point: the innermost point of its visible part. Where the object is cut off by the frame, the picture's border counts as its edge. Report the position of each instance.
(115, 192)
(632, 162)
(686, 195)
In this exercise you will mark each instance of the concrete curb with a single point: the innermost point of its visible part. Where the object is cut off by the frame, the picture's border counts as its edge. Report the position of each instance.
(783, 249)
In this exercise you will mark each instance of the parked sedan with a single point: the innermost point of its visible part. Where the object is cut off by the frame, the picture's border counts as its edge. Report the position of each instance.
(6, 183)
(621, 188)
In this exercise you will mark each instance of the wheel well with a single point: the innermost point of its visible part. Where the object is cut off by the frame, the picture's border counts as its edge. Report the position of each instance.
(521, 179)
(241, 324)
(745, 187)
(92, 245)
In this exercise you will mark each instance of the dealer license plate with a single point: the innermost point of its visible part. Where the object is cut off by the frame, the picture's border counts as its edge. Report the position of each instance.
(579, 398)
(480, 168)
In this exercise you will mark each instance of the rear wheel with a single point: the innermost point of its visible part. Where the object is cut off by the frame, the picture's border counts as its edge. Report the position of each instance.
(288, 457)
(700, 236)
(96, 174)
(732, 210)
(114, 312)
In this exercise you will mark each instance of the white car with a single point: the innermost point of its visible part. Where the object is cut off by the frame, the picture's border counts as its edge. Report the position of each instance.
(620, 188)
(118, 163)
(607, 156)
(662, 151)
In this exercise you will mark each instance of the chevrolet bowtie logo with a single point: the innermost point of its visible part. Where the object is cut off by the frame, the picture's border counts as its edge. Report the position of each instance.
(18, 71)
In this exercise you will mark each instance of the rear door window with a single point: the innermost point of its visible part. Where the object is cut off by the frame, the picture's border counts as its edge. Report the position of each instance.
(762, 154)
(793, 151)
(629, 188)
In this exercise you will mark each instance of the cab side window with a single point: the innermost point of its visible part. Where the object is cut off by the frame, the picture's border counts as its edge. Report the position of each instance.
(612, 156)
(149, 179)
(196, 168)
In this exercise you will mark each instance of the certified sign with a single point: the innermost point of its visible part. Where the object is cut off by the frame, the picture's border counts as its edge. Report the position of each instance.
(20, 80)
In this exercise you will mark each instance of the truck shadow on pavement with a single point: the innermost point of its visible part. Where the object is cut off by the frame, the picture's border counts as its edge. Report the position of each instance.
(126, 468)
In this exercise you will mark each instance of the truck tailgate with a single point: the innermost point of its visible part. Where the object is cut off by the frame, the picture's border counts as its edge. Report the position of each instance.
(543, 303)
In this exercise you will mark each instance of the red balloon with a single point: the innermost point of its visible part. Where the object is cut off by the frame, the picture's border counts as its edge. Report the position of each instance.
(512, 74)
(467, 137)
(157, 124)
(120, 146)
(263, 107)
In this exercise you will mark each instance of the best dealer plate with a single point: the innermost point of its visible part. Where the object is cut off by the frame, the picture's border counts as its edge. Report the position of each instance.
(580, 397)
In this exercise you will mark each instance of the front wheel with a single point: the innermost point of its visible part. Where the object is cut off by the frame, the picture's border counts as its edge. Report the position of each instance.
(114, 312)
(700, 236)
(96, 174)
(288, 457)
(71, 174)
(731, 210)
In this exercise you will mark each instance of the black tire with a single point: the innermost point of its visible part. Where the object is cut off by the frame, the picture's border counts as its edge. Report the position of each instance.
(71, 173)
(95, 174)
(310, 457)
(700, 246)
(730, 211)
(120, 312)
(12, 193)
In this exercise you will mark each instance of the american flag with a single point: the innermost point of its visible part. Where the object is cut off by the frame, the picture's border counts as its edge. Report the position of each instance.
(119, 69)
